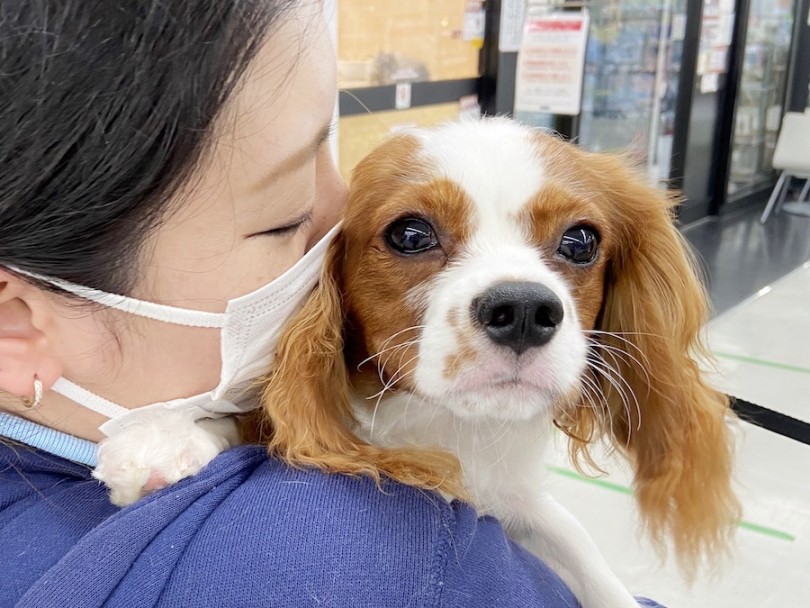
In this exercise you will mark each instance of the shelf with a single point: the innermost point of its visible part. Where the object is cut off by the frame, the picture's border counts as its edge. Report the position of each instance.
(383, 98)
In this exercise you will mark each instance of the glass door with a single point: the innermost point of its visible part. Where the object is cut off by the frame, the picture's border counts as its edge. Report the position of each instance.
(632, 70)
(761, 96)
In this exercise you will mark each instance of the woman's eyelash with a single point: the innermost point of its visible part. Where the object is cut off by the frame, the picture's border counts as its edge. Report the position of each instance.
(330, 131)
(285, 230)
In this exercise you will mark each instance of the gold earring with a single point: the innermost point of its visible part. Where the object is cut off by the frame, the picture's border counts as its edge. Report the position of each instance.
(34, 403)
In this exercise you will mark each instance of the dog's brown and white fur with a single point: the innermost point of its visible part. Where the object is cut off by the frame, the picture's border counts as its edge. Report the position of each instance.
(399, 364)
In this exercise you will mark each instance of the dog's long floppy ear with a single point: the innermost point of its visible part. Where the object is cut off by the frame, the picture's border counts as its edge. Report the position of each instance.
(306, 416)
(305, 398)
(660, 410)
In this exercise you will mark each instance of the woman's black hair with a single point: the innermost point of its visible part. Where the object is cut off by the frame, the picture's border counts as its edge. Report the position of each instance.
(106, 108)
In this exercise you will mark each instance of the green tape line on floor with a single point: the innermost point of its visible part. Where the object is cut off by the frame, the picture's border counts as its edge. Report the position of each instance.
(602, 483)
(616, 487)
(762, 362)
(767, 531)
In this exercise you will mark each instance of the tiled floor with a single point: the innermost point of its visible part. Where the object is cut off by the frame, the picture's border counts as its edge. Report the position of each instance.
(740, 256)
(760, 283)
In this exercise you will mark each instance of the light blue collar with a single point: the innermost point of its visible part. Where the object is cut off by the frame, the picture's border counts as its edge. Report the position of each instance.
(58, 443)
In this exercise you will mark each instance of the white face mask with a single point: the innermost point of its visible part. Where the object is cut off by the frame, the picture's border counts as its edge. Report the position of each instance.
(250, 325)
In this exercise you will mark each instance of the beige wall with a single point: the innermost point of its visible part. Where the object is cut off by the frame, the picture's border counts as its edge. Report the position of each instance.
(429, 31)
(359, 134)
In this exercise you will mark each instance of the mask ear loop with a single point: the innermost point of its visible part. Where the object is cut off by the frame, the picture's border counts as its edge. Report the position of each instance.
(32, 404)
(88, 399)
(142, 308)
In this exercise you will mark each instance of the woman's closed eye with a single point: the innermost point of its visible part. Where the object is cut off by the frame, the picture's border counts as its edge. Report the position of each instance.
(288, 229)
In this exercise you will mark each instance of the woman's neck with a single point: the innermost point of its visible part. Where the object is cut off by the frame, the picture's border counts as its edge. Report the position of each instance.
(58, 413)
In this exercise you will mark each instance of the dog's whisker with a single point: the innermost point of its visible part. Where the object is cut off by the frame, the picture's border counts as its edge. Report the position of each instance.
(388, 340)
(401, 349)
(401, 372)
(398, 375)
(620, 336)
(599, 344)
(598, 401)
(381, 365)
(593, 393)
(379, 395)
(617, 336)
(382, 351)
(402, 331)
(615, 379)
(384, 345)
(374, 417)
(401, 354)
(386, 387)
(642, 359)
(616, 352)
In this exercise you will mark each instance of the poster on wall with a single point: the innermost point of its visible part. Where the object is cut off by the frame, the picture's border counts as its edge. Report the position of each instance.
(550, 63)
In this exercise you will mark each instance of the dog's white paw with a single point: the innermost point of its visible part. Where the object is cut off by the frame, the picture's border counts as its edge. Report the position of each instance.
(160, 449)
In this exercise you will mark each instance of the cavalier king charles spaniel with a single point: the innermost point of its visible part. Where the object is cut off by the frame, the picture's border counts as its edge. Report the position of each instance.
(489, 283)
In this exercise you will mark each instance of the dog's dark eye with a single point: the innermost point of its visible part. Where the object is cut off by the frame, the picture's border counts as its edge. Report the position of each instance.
(411, 235)
(579, 244)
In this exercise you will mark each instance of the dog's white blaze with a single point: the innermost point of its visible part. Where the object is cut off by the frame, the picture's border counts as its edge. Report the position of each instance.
(495, 163)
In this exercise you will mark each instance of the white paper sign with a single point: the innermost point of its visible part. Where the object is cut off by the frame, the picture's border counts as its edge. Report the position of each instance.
(513, 15)
(678, 27)
(551, 62)
(402, 99)
(710, 82)
(468, 107)
(475, 20)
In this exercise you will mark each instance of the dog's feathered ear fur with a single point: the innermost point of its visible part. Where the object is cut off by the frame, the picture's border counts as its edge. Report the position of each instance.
(659, 409)
(306, 416)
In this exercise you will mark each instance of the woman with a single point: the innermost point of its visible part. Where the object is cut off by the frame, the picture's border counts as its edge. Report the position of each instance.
(176, 152)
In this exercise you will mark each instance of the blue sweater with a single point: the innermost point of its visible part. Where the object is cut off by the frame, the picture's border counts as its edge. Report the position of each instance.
(249, 531)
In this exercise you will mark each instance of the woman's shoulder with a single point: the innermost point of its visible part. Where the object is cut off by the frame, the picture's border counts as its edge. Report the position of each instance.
(248, 530)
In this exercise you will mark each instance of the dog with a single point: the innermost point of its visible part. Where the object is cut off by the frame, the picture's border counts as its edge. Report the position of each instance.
(489, 283)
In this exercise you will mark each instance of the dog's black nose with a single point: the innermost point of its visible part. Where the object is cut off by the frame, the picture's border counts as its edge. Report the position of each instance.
(519, 315)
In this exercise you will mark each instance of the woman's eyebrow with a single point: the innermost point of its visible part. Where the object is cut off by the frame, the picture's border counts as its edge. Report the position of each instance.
(297, 159)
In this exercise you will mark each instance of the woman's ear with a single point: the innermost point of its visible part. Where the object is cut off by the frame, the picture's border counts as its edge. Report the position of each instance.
(24, 351)
(660, 410)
